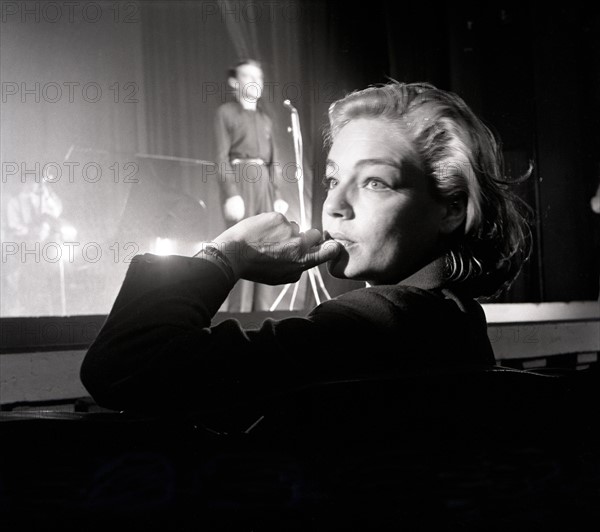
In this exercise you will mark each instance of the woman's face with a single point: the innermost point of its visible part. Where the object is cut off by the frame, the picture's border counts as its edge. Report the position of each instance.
(379, 204)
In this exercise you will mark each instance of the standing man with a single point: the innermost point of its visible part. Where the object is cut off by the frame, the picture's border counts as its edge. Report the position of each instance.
(246, 159)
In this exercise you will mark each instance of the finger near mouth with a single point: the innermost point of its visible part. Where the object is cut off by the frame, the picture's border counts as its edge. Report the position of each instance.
(337, 265)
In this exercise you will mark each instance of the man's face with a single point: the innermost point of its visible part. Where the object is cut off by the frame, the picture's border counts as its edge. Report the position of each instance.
(248, 83)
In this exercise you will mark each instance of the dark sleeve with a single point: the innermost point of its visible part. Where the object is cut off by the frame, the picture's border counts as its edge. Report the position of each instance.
(157, 349)
(223, 141)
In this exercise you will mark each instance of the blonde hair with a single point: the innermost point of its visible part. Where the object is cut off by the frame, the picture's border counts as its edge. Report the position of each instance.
(464, 159)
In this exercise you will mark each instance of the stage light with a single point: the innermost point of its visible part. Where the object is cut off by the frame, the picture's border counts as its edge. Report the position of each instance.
(164, 246)
(68, 232)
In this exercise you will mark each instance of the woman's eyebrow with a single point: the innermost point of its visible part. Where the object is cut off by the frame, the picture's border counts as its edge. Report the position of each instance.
(369, 162)
(384, 161)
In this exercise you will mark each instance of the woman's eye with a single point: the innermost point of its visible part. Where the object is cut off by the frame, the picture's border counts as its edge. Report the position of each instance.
(375, 184)
(329, 182)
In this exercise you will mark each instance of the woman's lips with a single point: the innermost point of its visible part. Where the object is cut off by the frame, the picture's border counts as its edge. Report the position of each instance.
(341, 238)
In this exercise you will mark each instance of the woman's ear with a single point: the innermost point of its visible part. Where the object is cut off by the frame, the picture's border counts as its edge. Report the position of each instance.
(232, 82)
(455, 214)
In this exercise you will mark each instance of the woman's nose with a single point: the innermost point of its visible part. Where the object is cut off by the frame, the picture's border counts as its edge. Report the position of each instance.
(337, 204)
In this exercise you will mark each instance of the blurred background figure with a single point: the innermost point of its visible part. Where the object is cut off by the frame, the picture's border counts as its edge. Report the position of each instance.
(34, 212)
(248, 168)
(32, 236)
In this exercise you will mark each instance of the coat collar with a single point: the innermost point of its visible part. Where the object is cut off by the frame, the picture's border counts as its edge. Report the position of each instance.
(429, 277)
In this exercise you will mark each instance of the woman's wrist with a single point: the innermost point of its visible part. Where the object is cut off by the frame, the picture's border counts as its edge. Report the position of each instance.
(232, 247)
(211, 252)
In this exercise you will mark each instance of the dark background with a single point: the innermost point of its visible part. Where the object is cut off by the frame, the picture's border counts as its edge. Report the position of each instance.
(533, 75)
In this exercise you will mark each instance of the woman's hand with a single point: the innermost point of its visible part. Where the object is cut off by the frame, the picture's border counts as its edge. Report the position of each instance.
(270, 249)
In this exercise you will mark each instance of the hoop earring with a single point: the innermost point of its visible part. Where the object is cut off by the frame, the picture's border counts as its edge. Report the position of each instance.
(461, 267)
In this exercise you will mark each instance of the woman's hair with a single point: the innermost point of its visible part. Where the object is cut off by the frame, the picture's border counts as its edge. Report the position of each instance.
(464, 159)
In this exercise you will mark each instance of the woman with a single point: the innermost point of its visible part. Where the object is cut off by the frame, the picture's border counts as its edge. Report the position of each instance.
(416, 207)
